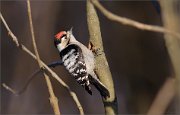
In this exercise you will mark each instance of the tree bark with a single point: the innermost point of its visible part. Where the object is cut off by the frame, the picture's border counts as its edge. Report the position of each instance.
(102, 68)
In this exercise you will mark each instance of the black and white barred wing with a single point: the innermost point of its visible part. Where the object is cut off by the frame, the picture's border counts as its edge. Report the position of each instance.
(74, 62)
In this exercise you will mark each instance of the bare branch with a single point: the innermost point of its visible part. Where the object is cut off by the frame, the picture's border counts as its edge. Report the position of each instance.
(163, 98)
(9, 32)
(32, 33)
(102, 67)
(30, 78)
(9, 88)
(53, 99)
(53, 74)
(171, 21)
(129, 22)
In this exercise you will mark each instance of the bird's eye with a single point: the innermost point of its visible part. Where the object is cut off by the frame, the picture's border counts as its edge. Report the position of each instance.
(64, 36)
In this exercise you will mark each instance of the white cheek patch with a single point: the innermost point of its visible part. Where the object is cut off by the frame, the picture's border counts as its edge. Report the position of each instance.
(62, 45)
(59, 47)
(62, 38)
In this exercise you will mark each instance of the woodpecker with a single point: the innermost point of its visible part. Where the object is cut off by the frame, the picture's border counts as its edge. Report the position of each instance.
(78, 61)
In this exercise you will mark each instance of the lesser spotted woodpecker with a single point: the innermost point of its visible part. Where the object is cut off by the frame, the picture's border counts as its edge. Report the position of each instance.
(79, 61)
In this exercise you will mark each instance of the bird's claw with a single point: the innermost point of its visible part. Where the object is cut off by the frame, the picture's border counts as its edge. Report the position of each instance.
(96, 51)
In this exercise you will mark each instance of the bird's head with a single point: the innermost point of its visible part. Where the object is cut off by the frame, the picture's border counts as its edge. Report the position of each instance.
(62, 39)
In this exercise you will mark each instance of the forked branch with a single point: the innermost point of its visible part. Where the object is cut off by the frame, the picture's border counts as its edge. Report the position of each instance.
(129, 22)
(53, 99)
(53, 74)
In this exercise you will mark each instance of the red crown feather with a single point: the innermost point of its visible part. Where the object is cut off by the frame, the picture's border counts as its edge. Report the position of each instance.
(60, 34)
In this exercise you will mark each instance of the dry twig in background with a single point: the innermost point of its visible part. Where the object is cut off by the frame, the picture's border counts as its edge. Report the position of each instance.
(101, 64)
(171, 21)
(163, 98)
(133, 23)
(172, 38)
(53, 74)
(53, 99)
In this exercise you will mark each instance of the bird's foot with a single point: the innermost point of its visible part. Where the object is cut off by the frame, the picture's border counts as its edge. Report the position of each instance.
(96, 51)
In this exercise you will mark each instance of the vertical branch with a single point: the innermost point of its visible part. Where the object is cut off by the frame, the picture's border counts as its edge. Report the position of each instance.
(171, 19)
(102, 67)
(163, 98)
(53, 98)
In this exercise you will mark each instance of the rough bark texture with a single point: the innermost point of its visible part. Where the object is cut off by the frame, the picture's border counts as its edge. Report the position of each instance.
(102, 68)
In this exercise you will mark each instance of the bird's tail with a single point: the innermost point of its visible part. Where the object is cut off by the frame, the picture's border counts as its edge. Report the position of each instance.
(100, 87)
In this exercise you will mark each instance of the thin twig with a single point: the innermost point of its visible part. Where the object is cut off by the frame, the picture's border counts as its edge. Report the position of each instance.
(53, 99)
(132, 23)
(9, 32)
(9, 88)
(163, 98)
(53, 74)
(30, 78)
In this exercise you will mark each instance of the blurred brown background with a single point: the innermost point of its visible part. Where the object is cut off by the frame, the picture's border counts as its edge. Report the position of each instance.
(138, 59)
